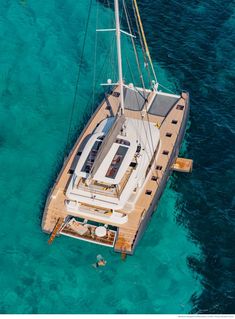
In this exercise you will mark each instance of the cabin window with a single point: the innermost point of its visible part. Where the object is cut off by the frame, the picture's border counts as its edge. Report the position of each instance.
(116, 94)
(165, 152)
(168, 134)
(158, 167)
(122, 142)
(154, 178)
(91, 157)
(180, 107)
(174, 122)
(148, 192)
(116, 162)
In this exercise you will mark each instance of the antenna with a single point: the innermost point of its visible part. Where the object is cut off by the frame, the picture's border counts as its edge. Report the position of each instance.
(119, 53)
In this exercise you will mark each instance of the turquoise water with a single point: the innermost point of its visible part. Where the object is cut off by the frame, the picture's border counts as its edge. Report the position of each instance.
(40, 45)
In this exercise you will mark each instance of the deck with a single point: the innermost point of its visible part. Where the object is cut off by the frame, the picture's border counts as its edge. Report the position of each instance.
(169, 130)
(183, 165)
(90, 236)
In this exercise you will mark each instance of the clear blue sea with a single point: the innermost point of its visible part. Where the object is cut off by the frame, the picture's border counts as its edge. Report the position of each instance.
(185, 262)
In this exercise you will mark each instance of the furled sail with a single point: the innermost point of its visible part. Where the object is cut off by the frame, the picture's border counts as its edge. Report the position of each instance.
(108, 141)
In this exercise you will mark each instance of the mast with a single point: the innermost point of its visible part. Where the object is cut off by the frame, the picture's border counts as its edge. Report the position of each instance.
(119, 54)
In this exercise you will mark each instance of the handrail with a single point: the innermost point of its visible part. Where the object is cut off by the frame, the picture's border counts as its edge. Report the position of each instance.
(96, 191)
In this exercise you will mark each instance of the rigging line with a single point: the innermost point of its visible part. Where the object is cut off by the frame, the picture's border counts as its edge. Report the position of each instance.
(130, 20)
(166, 88)
(112, 64)
(121, 16)
(114, 75)
(151, 137)
(102, 69)
(95, 59)
(109, 5)
(151, 145)
(111, 57)
(144, 38)
(141, 40)
(101, 72)
(134, 46)
(142, 45)
(145, 98)
(78, 75)
(147, 115)
(138, 103)
(159, 83)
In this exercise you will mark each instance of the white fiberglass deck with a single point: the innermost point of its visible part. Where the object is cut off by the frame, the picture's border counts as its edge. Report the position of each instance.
(125, 162)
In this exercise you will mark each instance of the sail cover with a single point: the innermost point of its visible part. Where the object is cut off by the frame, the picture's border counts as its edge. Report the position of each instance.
(108, 141)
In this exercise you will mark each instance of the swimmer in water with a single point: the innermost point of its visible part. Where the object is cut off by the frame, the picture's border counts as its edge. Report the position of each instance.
(100, 261)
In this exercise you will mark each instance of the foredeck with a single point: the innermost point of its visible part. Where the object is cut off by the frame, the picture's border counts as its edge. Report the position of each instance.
(169, 129)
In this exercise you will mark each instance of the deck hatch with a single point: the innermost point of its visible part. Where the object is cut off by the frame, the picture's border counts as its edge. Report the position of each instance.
(116, 94)
(168, 134)
(180, 107)
(154, 178)
(133, 164)
(116, 162)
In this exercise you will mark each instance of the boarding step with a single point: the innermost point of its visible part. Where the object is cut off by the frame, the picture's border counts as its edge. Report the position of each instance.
(183, 165)
(125, 241)
(56, 230)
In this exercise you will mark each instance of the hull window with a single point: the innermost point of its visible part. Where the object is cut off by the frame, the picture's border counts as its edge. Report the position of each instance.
(180, 107)
(154, 178)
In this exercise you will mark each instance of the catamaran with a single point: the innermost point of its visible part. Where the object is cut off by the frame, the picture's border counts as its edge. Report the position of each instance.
(114, 176)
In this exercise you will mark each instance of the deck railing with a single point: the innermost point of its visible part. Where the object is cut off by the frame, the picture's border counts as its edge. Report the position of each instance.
(96, 190)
